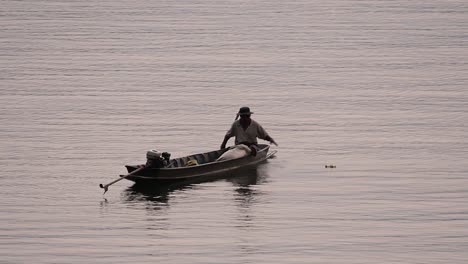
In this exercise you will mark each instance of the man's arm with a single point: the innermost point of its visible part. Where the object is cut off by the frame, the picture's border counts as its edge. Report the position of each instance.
(226, 138)
(272, 141)
(231, 132)
(264, 135)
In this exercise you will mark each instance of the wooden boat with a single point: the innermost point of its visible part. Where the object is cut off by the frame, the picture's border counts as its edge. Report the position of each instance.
(206, 165)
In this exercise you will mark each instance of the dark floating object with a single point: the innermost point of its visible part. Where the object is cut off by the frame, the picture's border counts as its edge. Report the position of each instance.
(330, 166)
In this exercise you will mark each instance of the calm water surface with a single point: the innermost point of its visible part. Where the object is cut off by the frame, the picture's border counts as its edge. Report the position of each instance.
(377, 88)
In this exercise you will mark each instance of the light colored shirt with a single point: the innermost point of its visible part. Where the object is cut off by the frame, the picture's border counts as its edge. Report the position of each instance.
(250, 135)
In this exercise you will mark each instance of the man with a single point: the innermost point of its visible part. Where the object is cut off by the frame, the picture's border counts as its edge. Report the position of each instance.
(246, 131)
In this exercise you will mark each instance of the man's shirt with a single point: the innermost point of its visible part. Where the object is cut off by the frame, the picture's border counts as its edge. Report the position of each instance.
(249, 135)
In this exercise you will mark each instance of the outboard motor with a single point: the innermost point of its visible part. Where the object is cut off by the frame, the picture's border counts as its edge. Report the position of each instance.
(156, 159)
(153, 159)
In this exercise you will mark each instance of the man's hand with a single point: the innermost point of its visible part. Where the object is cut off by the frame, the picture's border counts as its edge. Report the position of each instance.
(272, 141)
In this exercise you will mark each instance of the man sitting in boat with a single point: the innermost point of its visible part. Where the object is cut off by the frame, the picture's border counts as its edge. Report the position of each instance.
(246, 131)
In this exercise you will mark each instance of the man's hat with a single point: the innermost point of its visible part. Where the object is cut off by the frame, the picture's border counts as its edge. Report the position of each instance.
(244, 111)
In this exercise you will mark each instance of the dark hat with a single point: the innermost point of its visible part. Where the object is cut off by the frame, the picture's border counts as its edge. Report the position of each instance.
(244, 111)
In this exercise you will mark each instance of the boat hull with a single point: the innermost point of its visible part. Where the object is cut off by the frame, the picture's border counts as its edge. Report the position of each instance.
(207, 170)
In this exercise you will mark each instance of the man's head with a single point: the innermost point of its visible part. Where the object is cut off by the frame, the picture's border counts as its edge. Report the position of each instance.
(244, 112)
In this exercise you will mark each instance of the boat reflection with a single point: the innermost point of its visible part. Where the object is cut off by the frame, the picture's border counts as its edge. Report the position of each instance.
(160, 194)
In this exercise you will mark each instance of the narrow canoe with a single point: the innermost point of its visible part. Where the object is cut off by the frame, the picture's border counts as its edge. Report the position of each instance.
(207, 166)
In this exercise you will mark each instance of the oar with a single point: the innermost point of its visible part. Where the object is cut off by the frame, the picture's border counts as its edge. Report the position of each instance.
(106, 187)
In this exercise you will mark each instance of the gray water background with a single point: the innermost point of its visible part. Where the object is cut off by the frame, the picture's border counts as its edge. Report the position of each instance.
(377, 88)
